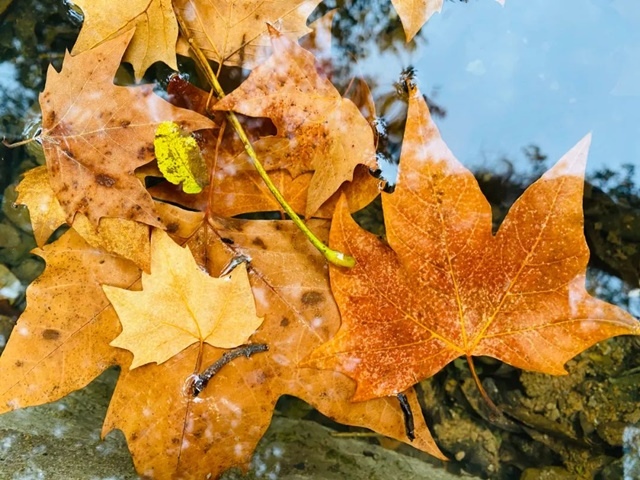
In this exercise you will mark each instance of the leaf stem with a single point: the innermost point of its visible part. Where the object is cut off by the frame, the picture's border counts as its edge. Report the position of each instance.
(333, 256)
(17, 144)
(493, 409)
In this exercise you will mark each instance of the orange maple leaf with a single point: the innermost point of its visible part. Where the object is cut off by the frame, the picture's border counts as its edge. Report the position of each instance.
(88, 122)
(446, 286)
(318, 130)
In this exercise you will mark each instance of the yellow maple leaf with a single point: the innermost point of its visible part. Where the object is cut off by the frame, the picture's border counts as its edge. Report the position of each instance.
(180, 305)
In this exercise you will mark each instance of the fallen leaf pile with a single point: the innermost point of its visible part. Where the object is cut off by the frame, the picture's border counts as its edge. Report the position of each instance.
(154, 276)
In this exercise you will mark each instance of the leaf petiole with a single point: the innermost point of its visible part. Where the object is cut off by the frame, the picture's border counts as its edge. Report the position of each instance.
(337, 258)
(494, 411)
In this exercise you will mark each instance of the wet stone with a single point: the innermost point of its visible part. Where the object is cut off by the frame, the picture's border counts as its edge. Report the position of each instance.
(10, 287)
(9, 236)
(29, 269)
(61, 440)
(17, 214)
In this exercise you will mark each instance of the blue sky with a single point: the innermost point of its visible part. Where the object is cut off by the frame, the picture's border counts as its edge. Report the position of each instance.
(534, 71)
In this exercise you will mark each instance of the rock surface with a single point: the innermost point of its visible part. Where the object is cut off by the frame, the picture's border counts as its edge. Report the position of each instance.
(61, 441)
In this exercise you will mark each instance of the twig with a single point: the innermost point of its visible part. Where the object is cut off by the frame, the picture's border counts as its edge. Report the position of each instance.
(333, 256)
(200, 381)
(409, 426)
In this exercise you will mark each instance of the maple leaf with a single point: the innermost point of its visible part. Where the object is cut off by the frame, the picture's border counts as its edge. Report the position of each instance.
(45, 211)
(236, 187)
(415, 13)
(171, 432)
(61, 341)
(318, 130)
(180, 305)
(236, 33)
(154, 23)
(446, 287)
(125, 238)
(95, 134)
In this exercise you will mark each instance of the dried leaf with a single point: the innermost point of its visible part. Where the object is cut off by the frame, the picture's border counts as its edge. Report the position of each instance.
(220, 428)
(125, 238)
(237, 188)
(318, 130)
(88, 122)
(447, 287)
(236, 33)
(153, 21)
(415, 13)
(45, 211)
(180, 305)
(61, 341)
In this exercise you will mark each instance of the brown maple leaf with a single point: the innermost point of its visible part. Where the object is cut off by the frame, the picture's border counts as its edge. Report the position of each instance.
(171, 432)
(318, 130)
(236, 33)
(95, 134)
(154, 23)
(446, 286)
(61, 341)
(235, 186)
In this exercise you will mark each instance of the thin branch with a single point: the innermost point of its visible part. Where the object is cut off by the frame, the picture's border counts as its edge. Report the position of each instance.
(200, 381)
(333, 256)
(409, 426)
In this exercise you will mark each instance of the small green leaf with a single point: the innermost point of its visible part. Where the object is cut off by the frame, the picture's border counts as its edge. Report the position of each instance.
(179, 157)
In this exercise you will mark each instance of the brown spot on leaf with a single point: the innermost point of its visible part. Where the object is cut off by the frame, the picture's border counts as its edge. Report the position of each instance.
(312, 298)
(172, 227)
(50, 118)
(19, 363)
(284, 322)
(226, 240)
(50, 334)
(125, 123)
(105, 180)
(258, 242)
